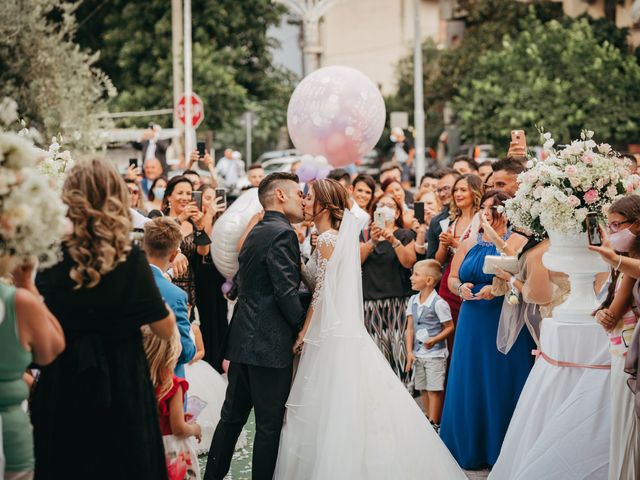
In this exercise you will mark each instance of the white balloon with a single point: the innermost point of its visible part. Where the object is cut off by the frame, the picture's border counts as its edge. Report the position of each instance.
(320, 162)
(229, 228)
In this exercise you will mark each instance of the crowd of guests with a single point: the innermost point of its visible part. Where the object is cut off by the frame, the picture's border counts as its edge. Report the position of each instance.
(122, 318)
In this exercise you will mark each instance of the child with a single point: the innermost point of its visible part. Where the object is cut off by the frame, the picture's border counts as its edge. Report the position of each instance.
(161, 243)
(429, 323)
(170, 390)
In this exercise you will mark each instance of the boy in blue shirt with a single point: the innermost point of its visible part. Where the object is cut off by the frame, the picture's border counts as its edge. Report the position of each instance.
(161, 243)
(429, 323)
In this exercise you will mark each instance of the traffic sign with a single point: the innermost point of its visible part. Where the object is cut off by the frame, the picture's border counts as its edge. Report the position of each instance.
(197, 110)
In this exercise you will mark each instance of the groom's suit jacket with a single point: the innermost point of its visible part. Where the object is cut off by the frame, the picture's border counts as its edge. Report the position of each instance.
(269, 313)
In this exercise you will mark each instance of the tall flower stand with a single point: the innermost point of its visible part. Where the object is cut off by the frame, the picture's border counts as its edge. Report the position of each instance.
(560, 428)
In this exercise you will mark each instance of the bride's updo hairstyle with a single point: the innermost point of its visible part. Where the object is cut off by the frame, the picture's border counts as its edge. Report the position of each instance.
(333, 197)
(98, 209)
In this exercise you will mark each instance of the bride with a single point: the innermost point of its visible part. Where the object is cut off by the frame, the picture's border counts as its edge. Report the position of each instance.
(348, 416)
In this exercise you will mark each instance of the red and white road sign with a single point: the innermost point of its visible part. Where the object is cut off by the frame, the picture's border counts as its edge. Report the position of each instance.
(197, 110)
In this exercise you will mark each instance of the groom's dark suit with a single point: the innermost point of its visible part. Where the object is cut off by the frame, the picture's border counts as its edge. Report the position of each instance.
(267, 318)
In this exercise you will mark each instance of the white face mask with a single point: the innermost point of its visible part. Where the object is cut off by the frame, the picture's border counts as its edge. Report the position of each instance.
(389, 213)
(393, 138)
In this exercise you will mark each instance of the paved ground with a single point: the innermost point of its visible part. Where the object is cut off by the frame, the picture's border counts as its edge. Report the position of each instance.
(241, 464)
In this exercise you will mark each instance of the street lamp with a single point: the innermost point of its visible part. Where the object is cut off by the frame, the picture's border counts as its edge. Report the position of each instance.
(310, 11)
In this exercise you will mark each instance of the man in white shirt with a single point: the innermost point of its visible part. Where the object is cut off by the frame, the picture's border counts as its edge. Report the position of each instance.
(230, 167)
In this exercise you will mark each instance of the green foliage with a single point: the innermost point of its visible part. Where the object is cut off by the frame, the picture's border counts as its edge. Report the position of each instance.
(57, 85)
(232, 64)
(444, 70)
(556, 76)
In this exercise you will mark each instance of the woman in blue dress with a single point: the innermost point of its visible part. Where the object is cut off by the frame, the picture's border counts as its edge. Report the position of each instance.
(483, 385)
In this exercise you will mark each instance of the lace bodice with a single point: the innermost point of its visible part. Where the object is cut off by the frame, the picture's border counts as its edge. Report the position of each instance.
(314, 270)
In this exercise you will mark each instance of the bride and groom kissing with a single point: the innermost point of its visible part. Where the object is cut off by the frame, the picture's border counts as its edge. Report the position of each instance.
(346, 415)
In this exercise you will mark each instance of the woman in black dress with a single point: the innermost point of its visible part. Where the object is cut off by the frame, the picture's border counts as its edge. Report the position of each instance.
(94, 409)
(210, 302)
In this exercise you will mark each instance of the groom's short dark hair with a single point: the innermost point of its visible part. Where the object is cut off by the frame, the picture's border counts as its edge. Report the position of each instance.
(270, 183)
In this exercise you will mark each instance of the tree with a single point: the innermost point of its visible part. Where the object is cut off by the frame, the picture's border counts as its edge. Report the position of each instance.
(444, 70)
(554, 75)
(56, 84)
(232, 63)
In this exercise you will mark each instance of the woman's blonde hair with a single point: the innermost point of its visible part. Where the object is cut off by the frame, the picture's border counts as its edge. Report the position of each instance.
(162, 356)
(333, 197)
(477, 190)
(97, 199)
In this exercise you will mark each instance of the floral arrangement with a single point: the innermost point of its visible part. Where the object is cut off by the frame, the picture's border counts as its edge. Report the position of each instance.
(32, 214)
(556, 194)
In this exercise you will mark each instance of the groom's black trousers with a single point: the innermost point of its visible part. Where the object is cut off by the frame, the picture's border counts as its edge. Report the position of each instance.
(266, 390)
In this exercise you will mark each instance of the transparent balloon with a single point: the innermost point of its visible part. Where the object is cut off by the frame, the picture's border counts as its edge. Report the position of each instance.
(336, 112)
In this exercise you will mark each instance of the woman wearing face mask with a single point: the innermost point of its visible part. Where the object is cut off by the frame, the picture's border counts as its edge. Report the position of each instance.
(483, 385)
(211, 304)
(387, 254)
(393, 187)
(177, 203)
(465, 203)
(156, 194)
(619, 320)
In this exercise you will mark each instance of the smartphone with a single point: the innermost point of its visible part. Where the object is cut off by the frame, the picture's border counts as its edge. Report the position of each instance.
(201, 148)
(418, 211)
(593, 229)
(133, 162)
(196, 196)
(518, 137)
(378, 219)
(221, 193)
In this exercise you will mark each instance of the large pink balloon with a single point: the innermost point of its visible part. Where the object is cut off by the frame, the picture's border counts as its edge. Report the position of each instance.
(336, 112)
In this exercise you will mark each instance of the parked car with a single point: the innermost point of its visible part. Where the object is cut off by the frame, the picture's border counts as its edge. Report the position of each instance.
(276, 154)
(281, 164)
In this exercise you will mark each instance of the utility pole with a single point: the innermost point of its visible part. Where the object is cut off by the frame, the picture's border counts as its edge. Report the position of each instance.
(310, 11)
(248, 123)
(176, 44)
(418, 96)
(189, 132)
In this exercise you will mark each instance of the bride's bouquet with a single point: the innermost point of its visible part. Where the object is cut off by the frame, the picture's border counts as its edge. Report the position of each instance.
(556, 194)
(32, 214)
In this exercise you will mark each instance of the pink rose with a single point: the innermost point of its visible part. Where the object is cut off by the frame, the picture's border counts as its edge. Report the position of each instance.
(587, 158)
(573, 201)
(570, 170)
(591, 196)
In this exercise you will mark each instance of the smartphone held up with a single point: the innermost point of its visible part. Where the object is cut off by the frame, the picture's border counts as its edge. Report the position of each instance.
(593, 229)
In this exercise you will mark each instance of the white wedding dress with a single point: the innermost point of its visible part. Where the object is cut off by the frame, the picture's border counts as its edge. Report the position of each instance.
(348, 416)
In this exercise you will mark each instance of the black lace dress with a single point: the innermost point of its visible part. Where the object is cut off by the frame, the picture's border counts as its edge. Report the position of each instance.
(94, 409)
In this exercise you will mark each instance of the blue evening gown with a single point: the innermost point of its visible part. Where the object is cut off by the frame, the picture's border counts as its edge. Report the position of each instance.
(483, 385)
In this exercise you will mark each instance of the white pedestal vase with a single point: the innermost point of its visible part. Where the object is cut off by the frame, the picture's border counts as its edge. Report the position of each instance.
(561, 426)
(569, 254)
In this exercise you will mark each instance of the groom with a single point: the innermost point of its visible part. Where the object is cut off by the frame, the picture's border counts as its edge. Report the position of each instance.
(268, 316)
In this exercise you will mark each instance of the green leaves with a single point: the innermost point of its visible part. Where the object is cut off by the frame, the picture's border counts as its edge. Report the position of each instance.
(556, 74)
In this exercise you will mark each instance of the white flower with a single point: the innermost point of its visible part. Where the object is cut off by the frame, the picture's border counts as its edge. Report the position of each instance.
(16, 152)
(8, 111)
(604, 148)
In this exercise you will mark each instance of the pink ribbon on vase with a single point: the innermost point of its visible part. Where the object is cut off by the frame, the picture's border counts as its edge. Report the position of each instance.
(557, 363)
